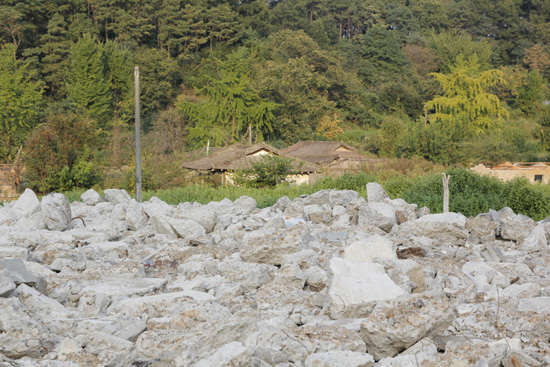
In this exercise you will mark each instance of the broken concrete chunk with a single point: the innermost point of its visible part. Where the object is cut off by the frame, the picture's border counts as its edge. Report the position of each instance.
(203, 215)
(540, 305)
(16, 271)
(116, 196)
(57, 211)
(340, 359)
(246, 204)
(233, 354)
(136, 216)
(26, 205)
(271, 248)
(370, 248)
(379, 214)
(395, 325)
(188, 229)
(376, 193)
(355, 287)
(91, 197)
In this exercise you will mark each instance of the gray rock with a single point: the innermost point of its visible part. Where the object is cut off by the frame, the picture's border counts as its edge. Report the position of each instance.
(339, 358)
(136, 216)
(26, 205)
(318, 214)
(233, 354)
(540, 305)
(355, 287)
(91, 197)
(246, 204)
(202, 215)
(398, 324)
(16, 271)
(57, 211)
(271, 248)
(116, 196)
(376, 193)
(442, 228)
(516, 228)
(188, 229)
(379, 214)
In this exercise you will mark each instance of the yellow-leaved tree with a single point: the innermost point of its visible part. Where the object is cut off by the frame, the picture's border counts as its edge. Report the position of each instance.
(329, 126)
(467, 96)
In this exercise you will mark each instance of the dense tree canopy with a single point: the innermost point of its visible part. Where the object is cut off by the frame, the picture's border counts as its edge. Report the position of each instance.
(281, 70)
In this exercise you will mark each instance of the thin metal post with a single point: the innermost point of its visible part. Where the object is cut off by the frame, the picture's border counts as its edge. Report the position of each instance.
(138, 135)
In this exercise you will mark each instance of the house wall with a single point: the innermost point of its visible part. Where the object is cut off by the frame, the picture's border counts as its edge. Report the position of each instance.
(510, 173)
(297, 179)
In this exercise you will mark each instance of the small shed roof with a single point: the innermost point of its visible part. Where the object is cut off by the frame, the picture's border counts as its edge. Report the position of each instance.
(239, 156)
(322, 152)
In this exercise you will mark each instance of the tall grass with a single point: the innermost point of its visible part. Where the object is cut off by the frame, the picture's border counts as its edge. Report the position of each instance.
(470, 194)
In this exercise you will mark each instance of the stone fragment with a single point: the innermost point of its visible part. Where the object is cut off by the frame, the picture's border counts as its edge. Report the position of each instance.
(246, 204)
(370, 248)
(536, 240)
(318, 214)
(376, 193)
(155, 206)
(443, 228)
(7, 286)
(482, 230)
(395, 325)
(342, 197)
(116, 196)
(295, 209)
(91, 197)
(57, 211)
(14, 252)
(26, 205)
(233, 354)
(202, 215)
(379, 214)
(516, 228)
(271, 248)
(316, 278)
(16, 271)
(135, 215)
(188, 229)
(517, 358)
(21, 335)
(355, 287)
(540, 305)
(162, 225)
(340, 359)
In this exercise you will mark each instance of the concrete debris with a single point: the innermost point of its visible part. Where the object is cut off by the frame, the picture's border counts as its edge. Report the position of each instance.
(328, 279)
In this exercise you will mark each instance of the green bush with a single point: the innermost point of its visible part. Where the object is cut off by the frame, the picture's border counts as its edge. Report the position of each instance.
(268, 171)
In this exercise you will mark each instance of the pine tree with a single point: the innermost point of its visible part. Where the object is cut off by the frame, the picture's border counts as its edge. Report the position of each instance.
(88, 83)
(20, 98)
(55, 51)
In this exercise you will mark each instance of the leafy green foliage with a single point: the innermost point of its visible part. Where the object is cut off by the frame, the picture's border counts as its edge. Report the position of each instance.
(20, 101)
(58, 154)
(228, 105)
(467, 97)
(268, 171)
(88, 82)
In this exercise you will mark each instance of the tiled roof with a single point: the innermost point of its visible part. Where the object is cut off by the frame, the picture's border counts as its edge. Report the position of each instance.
(237, 157)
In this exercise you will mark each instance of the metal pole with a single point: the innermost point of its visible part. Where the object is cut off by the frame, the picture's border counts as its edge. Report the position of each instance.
(138, 135)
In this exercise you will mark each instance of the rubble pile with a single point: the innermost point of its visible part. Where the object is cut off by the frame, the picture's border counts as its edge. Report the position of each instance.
(329, 279)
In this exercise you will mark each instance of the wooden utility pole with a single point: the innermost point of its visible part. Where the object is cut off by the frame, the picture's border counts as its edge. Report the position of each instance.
(138, 135)
(445, 179)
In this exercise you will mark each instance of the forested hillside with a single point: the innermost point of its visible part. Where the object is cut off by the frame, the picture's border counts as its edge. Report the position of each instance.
(446, 80)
